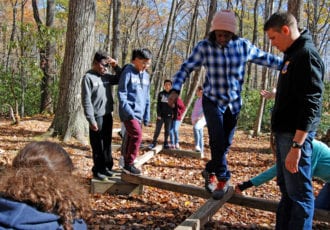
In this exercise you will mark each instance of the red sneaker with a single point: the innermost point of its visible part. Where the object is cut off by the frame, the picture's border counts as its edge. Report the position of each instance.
(210, 181)
(221, 189)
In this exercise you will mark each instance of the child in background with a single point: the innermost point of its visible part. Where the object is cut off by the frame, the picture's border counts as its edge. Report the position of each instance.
(176, 122)
(198, 121)
(165, 115)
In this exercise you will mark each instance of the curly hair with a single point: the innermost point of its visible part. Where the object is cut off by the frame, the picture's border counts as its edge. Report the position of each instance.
(41, 176)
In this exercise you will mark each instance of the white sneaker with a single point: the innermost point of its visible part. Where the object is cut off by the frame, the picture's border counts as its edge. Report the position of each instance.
(197, 148)
(177, 146)
(121, 162)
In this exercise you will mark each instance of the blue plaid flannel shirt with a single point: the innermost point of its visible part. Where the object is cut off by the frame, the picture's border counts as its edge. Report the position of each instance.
(225, 68)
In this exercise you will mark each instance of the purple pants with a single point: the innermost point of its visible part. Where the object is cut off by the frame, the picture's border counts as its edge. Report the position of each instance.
(131, 141)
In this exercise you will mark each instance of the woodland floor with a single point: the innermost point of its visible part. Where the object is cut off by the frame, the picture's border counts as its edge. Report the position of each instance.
(156, 208)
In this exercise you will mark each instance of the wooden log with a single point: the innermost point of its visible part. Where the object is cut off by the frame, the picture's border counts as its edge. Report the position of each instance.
(140, 160)
(204, 214)
(167, 185)
(246, 201)
(115, 186)
(182, 153)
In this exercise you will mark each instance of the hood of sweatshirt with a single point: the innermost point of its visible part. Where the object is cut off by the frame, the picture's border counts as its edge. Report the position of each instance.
(17, 215)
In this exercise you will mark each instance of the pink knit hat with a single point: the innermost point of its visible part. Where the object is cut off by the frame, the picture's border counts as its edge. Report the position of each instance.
(224, 20)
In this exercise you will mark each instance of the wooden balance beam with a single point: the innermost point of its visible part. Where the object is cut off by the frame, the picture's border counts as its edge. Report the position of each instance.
(204, 214)
(115, 185)
(245, 201)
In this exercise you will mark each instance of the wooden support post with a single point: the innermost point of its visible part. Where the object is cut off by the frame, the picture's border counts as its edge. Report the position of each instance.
(204, 214)
(115, 186)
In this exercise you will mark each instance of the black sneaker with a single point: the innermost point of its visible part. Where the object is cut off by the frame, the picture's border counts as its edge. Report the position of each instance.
(221, 189)
(132, 169)
(152, 146)
(166, 146)
(210, 181)
(101, 176)
(108, 173)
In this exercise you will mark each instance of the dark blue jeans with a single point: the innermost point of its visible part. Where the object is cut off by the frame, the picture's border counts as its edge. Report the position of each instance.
(323, 199)
(296, 207)
(159, 124)
(221, 128)
(101, 144)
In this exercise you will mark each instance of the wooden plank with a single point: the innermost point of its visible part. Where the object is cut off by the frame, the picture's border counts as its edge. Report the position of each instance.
(140, 160)
(246, 201)
(271, 206)
(204, 214)
(115, 186)
(167, 185)
(182, 153)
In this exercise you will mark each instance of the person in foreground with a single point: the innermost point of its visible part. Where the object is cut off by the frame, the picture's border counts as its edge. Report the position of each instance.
(224, 56)
(97, 103)
(39, 191)
(295, 117)
(134, 105)
(320, 169)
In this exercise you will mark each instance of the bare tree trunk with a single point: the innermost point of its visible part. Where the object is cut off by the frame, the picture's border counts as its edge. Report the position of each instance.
(126, 40)
(116, 43)
(264, 80)
(160, 60)
(295, 7)
(69, 120)
(13, 33)
(47, 57)
(254, 39)
(21, 65)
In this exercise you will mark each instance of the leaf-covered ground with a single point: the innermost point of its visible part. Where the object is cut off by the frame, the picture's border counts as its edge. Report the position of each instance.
(157, 208)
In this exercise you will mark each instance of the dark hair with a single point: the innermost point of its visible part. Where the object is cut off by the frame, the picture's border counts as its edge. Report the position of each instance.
(199, 88)
(280, 19)
(212, 38)
(99, 56)
(142, 53)
(44, 154)
(167, 81)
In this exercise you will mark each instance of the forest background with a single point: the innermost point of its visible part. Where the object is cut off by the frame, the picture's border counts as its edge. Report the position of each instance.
(47, 46)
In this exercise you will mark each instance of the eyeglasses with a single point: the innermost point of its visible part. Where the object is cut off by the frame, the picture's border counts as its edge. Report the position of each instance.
(105, 64)
(145, 63)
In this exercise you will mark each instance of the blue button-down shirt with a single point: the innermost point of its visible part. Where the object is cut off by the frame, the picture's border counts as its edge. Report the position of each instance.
(225, 68)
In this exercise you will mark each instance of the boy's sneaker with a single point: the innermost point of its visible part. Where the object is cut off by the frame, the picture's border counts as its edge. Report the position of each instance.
(132, 169)
(166, 146)
(151, 146)
(210, 181)
(221, 189)
(101, 176)
(108, 173)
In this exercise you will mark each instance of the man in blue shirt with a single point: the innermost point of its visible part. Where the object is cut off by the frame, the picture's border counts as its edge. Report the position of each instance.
(224, 55)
